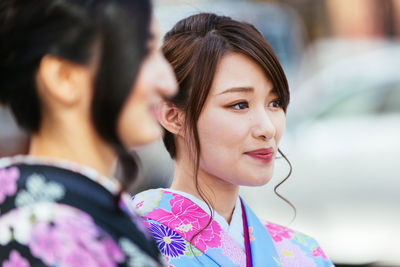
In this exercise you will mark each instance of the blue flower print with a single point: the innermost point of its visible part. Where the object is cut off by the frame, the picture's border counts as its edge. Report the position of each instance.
(170, 243)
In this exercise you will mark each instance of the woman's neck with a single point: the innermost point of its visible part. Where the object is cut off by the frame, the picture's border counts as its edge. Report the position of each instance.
(220, 194)
(77, 143)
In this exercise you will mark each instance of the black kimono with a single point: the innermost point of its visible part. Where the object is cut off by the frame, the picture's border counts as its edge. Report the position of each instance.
(56, 213)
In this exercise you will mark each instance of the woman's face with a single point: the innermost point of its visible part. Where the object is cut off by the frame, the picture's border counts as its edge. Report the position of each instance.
(138, 124)
(241, 124)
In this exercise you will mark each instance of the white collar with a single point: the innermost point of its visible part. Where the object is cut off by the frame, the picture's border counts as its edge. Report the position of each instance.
(110, 183)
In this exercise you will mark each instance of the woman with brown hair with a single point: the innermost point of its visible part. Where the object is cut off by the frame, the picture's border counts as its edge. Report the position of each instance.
(223, 130)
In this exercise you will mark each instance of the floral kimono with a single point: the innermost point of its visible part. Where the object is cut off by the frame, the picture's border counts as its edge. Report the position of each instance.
(175, 222)
(63, 214)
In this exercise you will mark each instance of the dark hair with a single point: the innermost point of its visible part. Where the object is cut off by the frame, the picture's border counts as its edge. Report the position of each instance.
(194, 47)
(71, 30)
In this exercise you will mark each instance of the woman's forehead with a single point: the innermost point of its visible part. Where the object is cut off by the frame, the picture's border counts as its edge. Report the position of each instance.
(237, 73)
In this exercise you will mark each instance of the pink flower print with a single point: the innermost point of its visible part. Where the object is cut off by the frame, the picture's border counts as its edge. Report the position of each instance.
(8, 182)
(16, 260)
(83, 233)
(210, 237)
(114, 250)
(93, 250)
(46, 242)
(76, 256)
(139, 205)
(292, 255)
(73, 239)
(318, 252)
(79, 226)
(187, 219)
(105, 251)
(278, 233)
(232, 250)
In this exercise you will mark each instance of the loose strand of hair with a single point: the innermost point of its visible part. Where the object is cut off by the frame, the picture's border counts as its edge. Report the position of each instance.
(281, 182)
(204, 197)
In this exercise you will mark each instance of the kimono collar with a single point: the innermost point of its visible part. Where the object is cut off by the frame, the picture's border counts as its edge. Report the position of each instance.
(237, 213)
(109, 183)
(180, 216)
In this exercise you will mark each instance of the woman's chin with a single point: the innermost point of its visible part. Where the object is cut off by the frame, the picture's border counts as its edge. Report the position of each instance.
(257, 180)
(144, 135)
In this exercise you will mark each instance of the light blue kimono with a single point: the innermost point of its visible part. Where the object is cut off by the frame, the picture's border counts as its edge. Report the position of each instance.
(187, 237)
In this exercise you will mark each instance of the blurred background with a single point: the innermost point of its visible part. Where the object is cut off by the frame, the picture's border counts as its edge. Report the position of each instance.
(342, 60)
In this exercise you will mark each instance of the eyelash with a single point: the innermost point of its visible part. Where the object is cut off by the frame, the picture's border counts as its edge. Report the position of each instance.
(277, 101)
(238, 104)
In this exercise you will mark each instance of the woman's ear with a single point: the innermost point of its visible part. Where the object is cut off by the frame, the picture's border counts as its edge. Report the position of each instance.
(171, 118)
(62, 81)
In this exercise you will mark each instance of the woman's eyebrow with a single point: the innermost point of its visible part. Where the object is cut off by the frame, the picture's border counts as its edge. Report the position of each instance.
(237, 90)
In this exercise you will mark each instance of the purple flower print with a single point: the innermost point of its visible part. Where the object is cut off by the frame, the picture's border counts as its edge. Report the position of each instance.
(47, 242)
(187, 219)
(292, 254)
(8, 182)
(169, 242)
(73, 239)
(82, 230)
(79, 226)
(16, 260)
(104, 250)
(75, 256)
(113, 249)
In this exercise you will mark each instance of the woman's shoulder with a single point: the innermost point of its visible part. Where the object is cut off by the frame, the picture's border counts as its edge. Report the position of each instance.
(51, 233)
(26, 183)
(146, 201)
(158, 202)
(46, 218)
(292, 244)
(59, 170)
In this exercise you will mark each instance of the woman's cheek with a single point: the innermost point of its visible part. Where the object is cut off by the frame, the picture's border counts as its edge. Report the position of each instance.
(280, 125)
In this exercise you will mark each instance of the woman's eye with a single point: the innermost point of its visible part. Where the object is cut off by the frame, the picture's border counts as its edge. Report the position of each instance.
(275, 104)
(240, 105)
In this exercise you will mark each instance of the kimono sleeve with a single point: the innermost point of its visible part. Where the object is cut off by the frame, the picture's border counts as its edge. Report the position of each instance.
(175, 249)
(52, 234)
(295, 248)
(303, 249)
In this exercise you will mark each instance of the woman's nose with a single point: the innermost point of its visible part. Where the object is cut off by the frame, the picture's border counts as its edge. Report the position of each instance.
(264, 127)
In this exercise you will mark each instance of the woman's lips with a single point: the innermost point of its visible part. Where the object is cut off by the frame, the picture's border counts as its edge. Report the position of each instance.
(264, 155)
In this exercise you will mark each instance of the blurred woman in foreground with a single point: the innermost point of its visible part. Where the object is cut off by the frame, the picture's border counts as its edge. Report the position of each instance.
(223, 130)
(82, 77)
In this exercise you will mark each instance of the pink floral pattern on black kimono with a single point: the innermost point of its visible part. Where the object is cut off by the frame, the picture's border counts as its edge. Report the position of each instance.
(63, 214)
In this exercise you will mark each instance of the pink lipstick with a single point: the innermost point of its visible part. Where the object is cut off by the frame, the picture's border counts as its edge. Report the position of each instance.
(265, 155)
